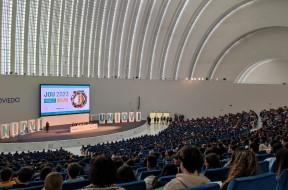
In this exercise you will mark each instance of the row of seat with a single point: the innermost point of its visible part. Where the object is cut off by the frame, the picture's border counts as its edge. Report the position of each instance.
(217, 174)
(266, 181)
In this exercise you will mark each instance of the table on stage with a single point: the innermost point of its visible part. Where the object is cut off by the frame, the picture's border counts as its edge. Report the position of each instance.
(81, 128)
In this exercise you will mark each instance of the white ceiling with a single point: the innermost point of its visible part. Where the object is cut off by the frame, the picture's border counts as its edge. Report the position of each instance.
(148, 39)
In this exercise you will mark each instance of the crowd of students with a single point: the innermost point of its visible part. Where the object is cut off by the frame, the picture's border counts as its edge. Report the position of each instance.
(185, 149)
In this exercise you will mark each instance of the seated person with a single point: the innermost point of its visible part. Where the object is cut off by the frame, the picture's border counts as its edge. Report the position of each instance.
(281, 162)
(24, 177)
(6, 178)
(191, 162)
(275, 148)
(44, 172)
(245, 164)
(103, 175)
(168, 170)
(53, 181)
(125, 174)
(212, 161)
(151, 165)
(74, 170)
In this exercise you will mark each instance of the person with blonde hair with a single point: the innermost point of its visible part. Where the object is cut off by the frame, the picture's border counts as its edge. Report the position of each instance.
(245, 164)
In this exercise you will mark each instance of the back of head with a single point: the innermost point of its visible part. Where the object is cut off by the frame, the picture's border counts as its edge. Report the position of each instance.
(6, 174)
(53, 181)
(276, 147)
(212, 160)
(245, 164)
(118, 161)
(169, 169)
(191, 158)
(44, 172)
(281, 162)
(25, 174)
(254, 146)
(74, 170)
(151, 162)
(125, 174)
(103, 171)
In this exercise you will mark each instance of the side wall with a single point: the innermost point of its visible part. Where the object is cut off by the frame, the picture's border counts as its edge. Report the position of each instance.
(192, 98)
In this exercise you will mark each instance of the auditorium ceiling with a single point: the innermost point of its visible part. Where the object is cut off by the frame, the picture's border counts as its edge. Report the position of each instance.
(143, 39)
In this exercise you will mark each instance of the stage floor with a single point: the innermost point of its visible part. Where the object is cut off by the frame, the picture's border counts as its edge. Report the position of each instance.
(63, 133)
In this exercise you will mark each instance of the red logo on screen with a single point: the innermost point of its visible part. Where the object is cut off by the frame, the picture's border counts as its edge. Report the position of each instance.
(79, 99)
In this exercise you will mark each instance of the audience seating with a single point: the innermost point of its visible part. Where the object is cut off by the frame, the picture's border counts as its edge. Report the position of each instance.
(139, 170)
(39, 187)
(265, 181)
(144, 174)
(166, 178)
(217, 174)
(139, 185)
(75, 185)
(36, 183)
(282, 183)
(263, 167)
(263, 156)
(209, 186)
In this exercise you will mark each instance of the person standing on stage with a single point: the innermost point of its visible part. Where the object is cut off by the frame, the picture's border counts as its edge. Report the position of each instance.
(47, 126)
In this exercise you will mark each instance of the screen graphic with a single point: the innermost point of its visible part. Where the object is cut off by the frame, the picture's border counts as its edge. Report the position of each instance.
(64, 99)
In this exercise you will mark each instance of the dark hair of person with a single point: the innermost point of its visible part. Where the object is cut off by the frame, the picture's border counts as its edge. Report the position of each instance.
(245, 164)
(254, 146)
(25, 174)
(44, 172)
(191, 158)
(74, 170)
(169, 169)
(151, 161)
(6, 174)
(125, 174)
(212, 160)
(281, 162)
(103, 172)
(130, 162)
(118, 162)
(276, 147)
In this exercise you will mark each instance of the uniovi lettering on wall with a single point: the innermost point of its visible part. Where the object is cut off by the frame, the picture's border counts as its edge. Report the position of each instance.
(14, 129)
(118, 117)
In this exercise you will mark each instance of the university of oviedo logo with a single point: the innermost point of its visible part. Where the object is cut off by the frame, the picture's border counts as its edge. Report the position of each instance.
(79, 99)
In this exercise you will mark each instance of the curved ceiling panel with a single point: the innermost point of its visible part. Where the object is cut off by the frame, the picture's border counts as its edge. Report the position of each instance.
(145, 39)
(264, 44)
(234, 23)
(271, 71)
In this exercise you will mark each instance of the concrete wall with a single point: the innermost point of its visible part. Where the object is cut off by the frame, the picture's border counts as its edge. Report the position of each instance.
(192, 98)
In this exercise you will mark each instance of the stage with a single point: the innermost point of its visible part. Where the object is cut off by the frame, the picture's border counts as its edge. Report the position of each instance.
(56, 133)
